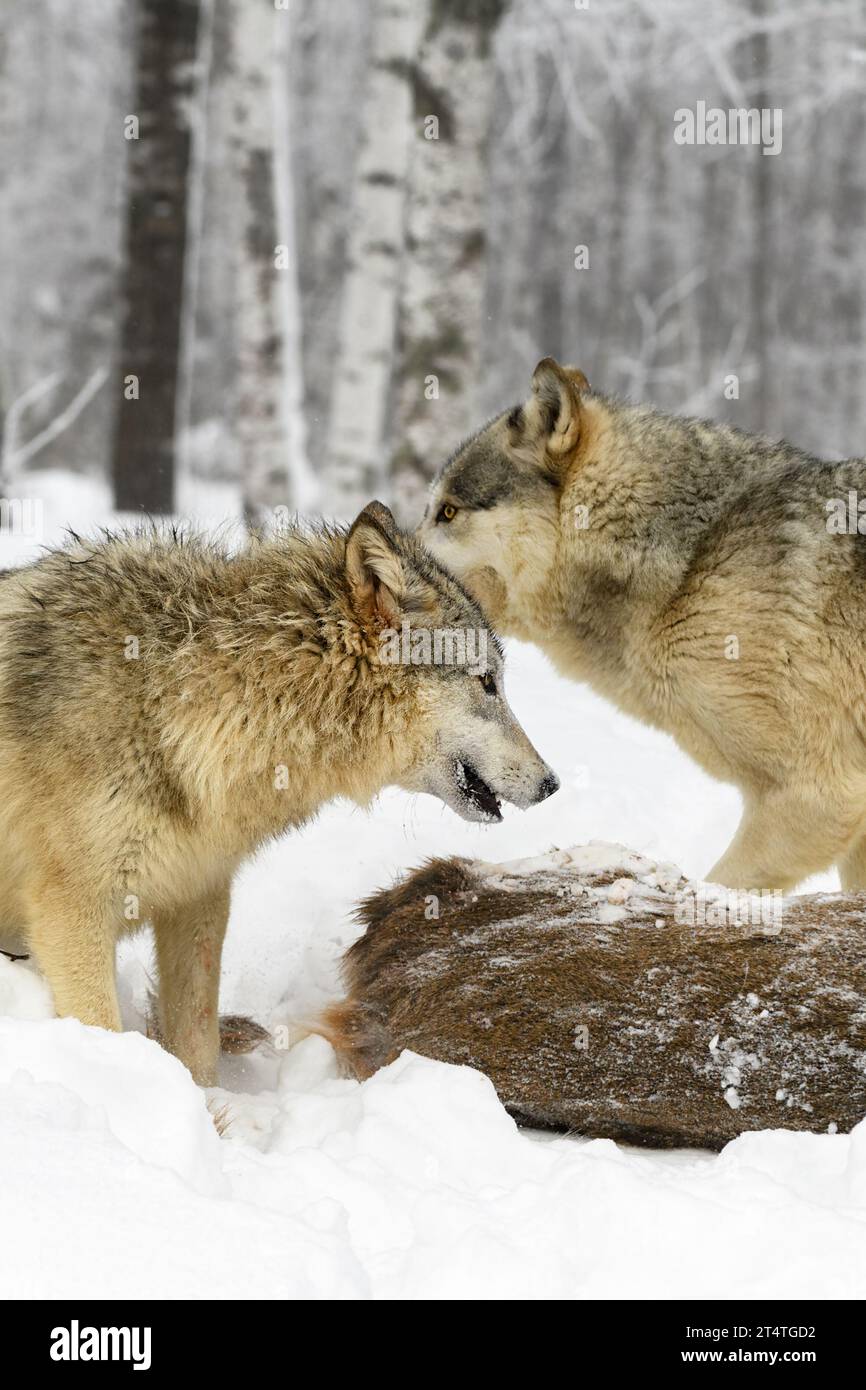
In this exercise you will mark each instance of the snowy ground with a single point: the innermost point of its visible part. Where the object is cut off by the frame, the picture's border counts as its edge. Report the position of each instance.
(415, 1184)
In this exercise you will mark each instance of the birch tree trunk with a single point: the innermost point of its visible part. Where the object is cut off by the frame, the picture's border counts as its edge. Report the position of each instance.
(143, 446)
(269, 418)
(760, 331)
(604, 993)
(356, 461)
(442, 296)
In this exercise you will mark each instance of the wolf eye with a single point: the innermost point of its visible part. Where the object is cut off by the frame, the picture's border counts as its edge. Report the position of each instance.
(488, 683)
(447, 513)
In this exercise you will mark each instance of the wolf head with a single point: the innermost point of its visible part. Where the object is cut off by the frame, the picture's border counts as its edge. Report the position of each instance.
(459, 740)
(493, 516)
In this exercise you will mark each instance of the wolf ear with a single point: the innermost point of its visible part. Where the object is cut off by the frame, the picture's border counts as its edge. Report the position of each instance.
(374, 569)
(555, 408)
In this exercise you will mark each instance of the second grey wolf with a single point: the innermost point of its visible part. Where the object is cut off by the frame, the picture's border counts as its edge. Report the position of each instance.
(165, 707)
(698, 577)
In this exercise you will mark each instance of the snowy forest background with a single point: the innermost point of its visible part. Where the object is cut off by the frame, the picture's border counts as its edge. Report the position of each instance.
(282, 258)
(285, 259)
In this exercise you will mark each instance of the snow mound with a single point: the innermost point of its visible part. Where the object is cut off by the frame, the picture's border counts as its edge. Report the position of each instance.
(414, 1184)
(123, 1083)
(598, 857)
(23, 992)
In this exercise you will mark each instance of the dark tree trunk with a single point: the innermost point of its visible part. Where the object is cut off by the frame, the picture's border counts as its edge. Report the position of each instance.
(152, 292)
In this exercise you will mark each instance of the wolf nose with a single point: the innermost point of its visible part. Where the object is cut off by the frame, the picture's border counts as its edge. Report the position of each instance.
(548, 787)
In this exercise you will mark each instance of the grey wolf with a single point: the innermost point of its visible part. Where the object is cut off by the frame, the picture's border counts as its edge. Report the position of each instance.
(166, 706)
(594, 1023)
(692, 574)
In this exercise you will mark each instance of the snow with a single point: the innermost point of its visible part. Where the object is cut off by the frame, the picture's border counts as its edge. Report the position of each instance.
(416, 1183)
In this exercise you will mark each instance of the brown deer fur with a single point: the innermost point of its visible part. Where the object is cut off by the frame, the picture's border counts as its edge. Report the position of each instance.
(585, 986)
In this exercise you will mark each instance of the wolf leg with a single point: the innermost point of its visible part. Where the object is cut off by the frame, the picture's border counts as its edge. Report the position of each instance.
(780, 841)
(189, 945)
(74, 944)
(852, 867)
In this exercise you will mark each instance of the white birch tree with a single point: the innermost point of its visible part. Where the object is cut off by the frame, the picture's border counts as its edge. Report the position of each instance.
(442, 296)
(356, 461)
(270, 432)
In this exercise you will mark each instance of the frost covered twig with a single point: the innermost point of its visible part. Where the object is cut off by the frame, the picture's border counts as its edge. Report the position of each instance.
(16, 457)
